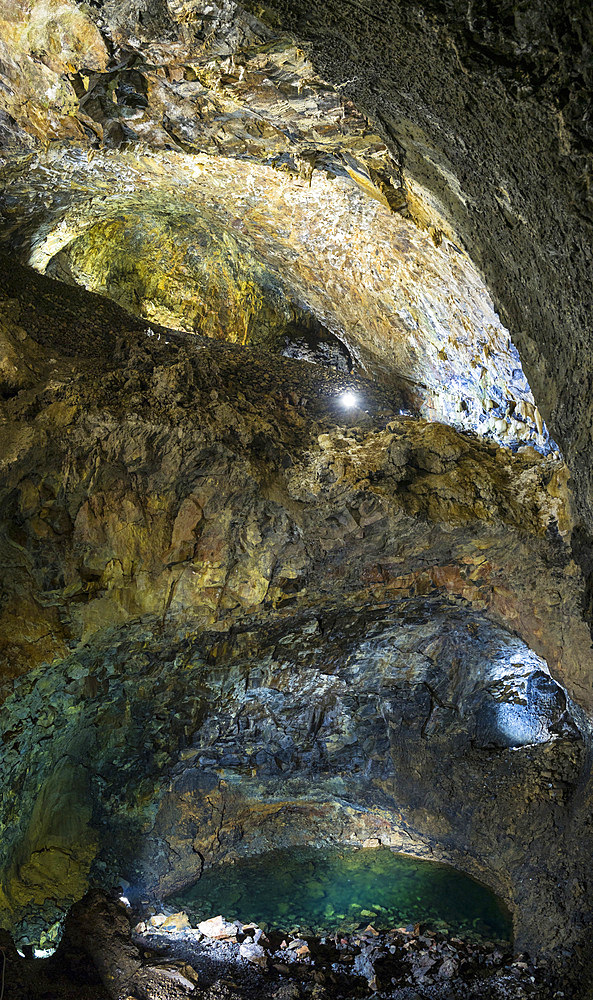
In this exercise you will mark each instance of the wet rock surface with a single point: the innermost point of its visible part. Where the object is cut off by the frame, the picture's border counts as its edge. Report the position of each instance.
(246, 756)
(402, 964)
(319, 892)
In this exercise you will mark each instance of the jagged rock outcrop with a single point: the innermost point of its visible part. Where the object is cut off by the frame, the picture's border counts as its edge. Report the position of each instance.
(490, 104)
(181, 475)
(280, 219)
(184, 510)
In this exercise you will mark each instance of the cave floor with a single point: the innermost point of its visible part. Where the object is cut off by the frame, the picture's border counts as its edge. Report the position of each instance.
(323, 972)
(101, 958)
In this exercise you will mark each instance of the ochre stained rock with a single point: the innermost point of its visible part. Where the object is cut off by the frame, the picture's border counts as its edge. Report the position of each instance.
(274, 484)
(54, 857)
(217, 542)
(240, 252)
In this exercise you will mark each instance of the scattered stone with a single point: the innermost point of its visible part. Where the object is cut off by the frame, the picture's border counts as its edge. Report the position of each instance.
(296, 944)
(253, 953)
(288, 991)
(176, 922)
(218, 928)
(447, 969)
(393, 960)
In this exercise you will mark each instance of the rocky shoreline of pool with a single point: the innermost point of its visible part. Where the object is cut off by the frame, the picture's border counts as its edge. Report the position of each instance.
(108, 951)
(404, 963)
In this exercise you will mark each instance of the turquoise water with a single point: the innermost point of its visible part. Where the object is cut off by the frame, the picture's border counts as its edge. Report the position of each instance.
(323, 891)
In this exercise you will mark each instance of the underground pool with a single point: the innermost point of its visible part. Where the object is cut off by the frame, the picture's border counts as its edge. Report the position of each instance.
(323, 891)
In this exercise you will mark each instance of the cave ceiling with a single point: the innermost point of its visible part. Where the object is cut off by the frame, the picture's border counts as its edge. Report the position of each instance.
(215, 183)
(295, 424)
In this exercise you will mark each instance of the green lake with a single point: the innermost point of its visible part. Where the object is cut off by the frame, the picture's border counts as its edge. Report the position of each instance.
(323, 891)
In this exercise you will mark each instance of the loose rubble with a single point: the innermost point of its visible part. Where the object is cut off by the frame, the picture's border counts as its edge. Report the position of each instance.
(410, 962)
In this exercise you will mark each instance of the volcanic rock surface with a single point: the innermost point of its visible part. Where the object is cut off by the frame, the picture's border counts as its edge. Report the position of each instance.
(295, 512)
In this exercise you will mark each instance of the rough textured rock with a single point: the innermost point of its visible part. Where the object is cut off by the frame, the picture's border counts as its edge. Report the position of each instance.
(392, 965)
(157, 964)
(270, 222)
(309, 269)
(191, 599)
(240, 608)
(415, 708)
(268, 446)
(490, 105)
(98, 929)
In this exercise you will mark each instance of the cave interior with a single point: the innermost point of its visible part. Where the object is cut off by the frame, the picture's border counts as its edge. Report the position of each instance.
(296, 420)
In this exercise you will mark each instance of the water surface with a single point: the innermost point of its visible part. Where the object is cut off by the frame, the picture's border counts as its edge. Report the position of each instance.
(323, 891)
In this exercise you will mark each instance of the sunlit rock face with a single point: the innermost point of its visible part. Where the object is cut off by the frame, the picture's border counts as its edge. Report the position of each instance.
(290, 554)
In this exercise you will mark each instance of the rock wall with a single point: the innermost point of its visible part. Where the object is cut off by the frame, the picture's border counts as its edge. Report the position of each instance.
(161, 747)
(274, 484)
(263, 620)
(489, 105)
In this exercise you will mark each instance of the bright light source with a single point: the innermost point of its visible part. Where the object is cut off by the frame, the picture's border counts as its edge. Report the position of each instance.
(124, 900)
(349, 399)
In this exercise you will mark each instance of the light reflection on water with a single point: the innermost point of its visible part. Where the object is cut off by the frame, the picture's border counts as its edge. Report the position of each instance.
(339, 889)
